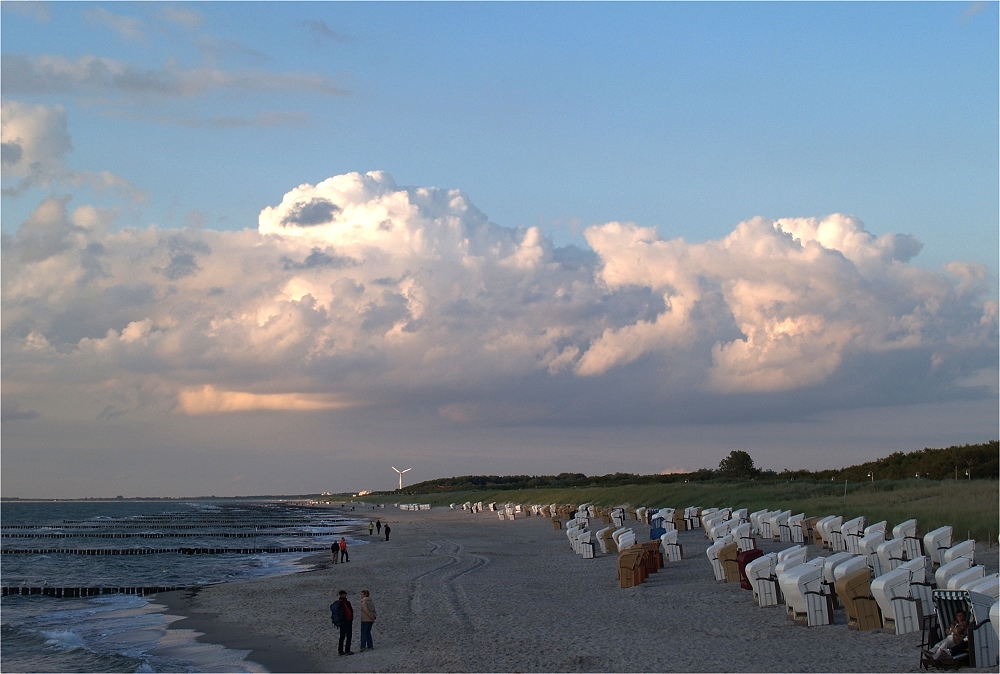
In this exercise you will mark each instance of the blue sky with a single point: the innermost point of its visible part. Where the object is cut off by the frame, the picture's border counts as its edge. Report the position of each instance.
(682, 120)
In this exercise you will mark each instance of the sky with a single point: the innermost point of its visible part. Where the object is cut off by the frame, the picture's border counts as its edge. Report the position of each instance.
(271, 248)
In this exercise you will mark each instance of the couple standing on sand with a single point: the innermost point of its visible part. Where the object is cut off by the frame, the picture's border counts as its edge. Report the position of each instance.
(342, 615)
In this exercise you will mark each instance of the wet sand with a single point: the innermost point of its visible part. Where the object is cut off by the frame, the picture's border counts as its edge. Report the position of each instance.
(457, 591)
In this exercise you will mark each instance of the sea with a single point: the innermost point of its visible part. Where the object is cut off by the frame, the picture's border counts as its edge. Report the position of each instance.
(126, 632)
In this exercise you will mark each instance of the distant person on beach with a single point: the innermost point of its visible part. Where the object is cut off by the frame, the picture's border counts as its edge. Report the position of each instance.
(335, 550)
(344, 557)
(378, 526)
(342, 615)
(371, 528)
(955, 641)
(367, 618)
(387, 532)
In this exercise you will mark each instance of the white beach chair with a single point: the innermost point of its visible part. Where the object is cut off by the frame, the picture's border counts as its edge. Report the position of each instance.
(829, 568)
(765, 524)
(755, 521)
(995, 616)
(921, 583)
(852, 531)
(618, 533)
(790, 558)
(890, 553)
(601, 541)
(795, 526)
(963, 549)
(908, 532)
(899, 609)
(849, 566)
(872, 528)
(988, 585)
(763, 581)
(780, 528)
(835, 534)
(741, 535)
(802, 587)
(946, 571)
(936, 542)
(626, 540)
(717, 529)
(868, 548)
(820, 528)
(970, 576)
(585, 545)
(671, 549)
(713, 556)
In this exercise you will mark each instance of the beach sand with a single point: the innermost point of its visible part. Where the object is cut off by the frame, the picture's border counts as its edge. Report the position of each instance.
(457, 591)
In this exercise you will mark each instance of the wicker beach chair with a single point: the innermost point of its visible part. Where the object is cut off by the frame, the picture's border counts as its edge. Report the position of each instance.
(899, 609)
(982, 637)
(730, 567)
(854, 590)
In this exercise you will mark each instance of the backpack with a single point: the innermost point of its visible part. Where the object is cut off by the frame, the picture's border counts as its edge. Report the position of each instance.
(336, 614)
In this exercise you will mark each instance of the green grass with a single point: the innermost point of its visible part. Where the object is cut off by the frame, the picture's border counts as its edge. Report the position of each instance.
(971, 507)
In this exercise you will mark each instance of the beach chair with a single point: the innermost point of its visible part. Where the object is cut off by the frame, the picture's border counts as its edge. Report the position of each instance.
(854, 590)
(716, 528)
(899, 609)
(653, 558)
(830, 566)
(640, 515)
(852, 530)
(819, 531)
(834, 534)
(963, 549)
(995, 616)
(921, 583)
(730, 567)
(671, 548)
(982, 637)
(868, 548)
(946, 571)
(692, 517)
(936, 542)
(790, 557)
(890, 553)
(608, 544)
(911, 542)
(809, 530)
(755, 521)
(631, 571)
(765, 529)
(872, 528)
(713, 556)
(795, 525)
(585, 545)
(763, 581)
(743, 538)
(962, 579)
(802, 587)
(780, 529)
(988, 585)
(626, 540)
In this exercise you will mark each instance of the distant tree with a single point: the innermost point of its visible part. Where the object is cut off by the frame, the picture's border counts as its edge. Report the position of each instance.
(738, 464)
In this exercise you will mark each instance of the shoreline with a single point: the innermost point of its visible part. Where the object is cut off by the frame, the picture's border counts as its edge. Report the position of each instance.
(461, 592)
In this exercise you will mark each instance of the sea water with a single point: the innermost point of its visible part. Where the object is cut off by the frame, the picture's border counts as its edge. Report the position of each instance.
(125, 633)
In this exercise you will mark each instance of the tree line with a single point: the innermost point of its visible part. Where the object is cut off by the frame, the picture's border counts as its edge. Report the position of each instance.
(979, 461)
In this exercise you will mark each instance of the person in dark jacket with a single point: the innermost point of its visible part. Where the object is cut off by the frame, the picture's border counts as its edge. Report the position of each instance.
(387, 530)
(378, 526)
(346, 611)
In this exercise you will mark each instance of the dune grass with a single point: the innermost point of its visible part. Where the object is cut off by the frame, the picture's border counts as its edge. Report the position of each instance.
(970, 506)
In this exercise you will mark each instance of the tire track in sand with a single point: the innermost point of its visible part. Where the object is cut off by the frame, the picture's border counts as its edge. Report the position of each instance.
(435, 590)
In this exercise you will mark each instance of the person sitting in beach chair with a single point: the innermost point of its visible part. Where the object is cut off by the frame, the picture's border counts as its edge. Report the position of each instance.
(956, 640)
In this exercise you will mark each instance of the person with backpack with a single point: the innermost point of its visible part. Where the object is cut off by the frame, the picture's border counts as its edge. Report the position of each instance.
(367, 618)
(342, 616)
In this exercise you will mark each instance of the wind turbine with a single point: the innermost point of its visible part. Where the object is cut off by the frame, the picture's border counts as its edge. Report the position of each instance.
(401, 475)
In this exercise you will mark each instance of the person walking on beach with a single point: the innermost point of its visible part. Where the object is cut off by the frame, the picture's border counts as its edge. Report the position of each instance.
(342, 614)
(378, 526)
(371, 527)
(335, 550)
(344, 557)
(387, 532)
(367, 618)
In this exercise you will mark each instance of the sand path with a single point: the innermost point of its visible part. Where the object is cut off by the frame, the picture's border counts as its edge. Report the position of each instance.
(461, 592)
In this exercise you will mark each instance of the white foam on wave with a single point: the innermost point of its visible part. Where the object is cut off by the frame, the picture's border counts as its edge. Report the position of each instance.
(66, 640)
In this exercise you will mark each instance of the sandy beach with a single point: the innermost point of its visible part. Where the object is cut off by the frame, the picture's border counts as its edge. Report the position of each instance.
(457, 591)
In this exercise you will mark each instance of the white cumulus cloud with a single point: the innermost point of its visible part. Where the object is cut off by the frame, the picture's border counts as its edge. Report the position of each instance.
(360, 292)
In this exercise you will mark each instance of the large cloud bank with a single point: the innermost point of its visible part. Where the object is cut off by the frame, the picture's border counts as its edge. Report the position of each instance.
(356, 292)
